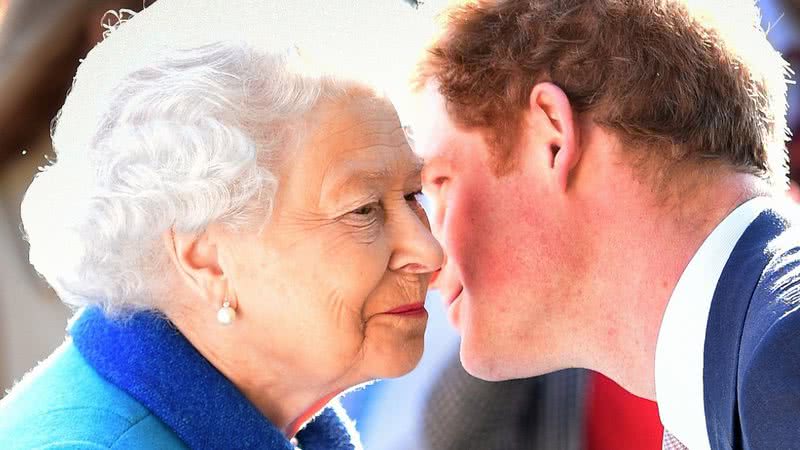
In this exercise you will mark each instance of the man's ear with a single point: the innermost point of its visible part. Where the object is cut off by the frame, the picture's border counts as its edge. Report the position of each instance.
(550, 120)
(196, 259)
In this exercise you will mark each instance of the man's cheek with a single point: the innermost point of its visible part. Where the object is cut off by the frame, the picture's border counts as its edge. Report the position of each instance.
(480, 240)
(459, 236)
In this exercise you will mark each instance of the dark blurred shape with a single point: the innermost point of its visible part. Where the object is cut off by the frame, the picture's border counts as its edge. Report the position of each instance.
(572, 409)
(539, 413)
(41, 43)
(792, 8)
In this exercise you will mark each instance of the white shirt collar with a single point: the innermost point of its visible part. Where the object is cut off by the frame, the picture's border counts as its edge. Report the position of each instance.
(681, 338)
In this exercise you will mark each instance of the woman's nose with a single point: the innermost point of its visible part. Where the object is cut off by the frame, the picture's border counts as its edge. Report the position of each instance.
(432, 283)
(415, 249)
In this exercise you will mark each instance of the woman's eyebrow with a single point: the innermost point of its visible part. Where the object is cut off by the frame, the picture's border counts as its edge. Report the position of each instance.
(355, 178)
(360, 177)
(417, 166)
(335, 184)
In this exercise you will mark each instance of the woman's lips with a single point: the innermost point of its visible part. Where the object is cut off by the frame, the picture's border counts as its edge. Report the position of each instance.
(410, 309)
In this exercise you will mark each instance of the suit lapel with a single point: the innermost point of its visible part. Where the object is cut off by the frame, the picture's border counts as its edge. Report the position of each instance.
(726, 319)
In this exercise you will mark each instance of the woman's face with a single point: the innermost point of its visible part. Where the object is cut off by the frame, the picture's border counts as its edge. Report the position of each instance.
(332, 287)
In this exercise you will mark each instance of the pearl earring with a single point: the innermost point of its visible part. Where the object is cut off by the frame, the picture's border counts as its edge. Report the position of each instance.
(226, 314)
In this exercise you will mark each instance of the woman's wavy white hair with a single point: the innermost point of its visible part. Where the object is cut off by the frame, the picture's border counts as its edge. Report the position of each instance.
(162, 131)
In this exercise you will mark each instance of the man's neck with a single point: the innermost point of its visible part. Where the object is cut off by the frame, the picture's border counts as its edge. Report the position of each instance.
(642, 257)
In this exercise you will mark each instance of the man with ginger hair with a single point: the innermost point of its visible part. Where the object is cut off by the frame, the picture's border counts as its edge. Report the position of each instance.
(608, 180)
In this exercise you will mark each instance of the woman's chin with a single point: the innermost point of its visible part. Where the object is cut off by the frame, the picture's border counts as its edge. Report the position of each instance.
(394, 344)
(400, 362)
(399, 369)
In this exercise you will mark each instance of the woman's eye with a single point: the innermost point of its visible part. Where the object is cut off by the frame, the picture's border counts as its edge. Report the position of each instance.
(415, 197)
(366, 210)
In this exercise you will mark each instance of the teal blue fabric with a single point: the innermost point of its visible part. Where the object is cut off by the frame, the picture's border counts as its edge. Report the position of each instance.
(137, 382)
(148, 358)
(64, 404)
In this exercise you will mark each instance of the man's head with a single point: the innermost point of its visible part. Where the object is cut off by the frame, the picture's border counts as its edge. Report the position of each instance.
(547, 125)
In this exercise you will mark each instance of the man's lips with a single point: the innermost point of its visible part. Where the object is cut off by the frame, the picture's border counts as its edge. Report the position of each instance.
(411, 308)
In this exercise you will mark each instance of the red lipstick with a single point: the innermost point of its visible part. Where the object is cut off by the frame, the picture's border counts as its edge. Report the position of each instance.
(407, 310)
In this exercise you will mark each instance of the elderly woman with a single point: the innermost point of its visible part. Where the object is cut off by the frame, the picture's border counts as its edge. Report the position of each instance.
(243, 240)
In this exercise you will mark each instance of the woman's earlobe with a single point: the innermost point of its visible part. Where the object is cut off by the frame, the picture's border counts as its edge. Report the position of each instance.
(196, 260)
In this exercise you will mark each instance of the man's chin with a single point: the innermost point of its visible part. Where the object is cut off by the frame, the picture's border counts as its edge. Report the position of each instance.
(491, 361)
(482, 368)
(480, 361)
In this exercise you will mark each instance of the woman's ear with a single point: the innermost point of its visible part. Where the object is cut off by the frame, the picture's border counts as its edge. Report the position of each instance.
(550, 120)
(196, 258)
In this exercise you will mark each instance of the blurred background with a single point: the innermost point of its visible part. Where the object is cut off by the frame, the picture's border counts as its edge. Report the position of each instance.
(41, 44)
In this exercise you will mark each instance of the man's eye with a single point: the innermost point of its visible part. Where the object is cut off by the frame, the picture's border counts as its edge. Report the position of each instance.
(439, 181)
(433, 184)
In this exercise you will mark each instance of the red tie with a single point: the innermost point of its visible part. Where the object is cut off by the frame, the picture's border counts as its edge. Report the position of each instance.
(618, 420)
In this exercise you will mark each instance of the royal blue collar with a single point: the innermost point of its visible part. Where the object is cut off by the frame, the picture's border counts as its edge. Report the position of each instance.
(146, 356)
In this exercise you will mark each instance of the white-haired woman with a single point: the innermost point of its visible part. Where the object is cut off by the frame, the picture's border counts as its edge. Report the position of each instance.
(243, 241)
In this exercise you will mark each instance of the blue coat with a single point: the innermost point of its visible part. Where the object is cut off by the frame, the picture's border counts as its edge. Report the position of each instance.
(751, 373)
(138, 383)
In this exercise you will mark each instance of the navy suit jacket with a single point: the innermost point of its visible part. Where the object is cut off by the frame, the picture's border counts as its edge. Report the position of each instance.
(751, 374)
